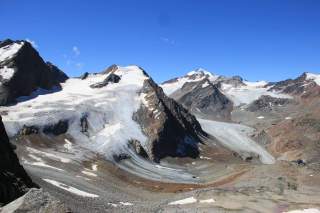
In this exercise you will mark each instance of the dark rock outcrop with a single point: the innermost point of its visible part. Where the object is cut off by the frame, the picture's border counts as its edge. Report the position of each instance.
(56, 129)
(235, 81)
(30, 73)
(137, 147)
(111, 78)
(170, 128)
(266, 103)
(110, 69)
(204, 99)
(14, 181)
(84, 76)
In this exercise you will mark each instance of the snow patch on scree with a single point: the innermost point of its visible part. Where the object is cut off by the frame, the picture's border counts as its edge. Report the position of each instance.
(108, 111)
(70, 189)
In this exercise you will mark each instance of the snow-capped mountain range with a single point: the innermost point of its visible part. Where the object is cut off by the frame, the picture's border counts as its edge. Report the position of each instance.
(120, 116)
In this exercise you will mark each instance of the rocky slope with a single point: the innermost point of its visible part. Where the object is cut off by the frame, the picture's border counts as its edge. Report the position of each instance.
(36, 200)
(14, 181)
(23, 71)
(297, 86)
(204, 99)
(171, 129)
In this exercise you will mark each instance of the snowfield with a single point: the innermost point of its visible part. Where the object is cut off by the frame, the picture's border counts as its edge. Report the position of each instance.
(108, 111)
(249, 93)
(314, 77)
(235, 137)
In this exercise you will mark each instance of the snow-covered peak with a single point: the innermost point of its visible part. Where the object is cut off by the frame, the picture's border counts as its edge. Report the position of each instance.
(108, 110)
(199, 71)
(314, 77)
(8, 51)
(192, 76)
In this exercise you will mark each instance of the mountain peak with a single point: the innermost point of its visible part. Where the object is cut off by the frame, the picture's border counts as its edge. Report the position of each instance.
(313, 76)
(199, 71)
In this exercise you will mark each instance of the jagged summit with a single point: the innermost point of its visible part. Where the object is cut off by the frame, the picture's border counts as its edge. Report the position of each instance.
(22, 71)
(199, 71)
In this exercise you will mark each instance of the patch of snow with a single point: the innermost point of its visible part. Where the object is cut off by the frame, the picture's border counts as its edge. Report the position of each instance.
(34, 157)
(205, 84)
(207, 201)
(113, 204)
(248, 93)
(42, 164)
(125, 203)
(89, 173)
(67, 145)
(260, 117)
(205, 158)
(288, 118)
(94, 167)
(70, 189)
(235, 137)
(6, 73)
(311, 210)
(314, 77)
(49, 155)
(10, 50)
(184, 201)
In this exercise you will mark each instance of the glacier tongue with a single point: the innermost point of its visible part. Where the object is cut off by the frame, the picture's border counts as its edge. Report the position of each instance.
(235, 137)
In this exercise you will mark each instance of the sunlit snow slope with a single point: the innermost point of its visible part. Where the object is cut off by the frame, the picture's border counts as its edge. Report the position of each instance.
(108, 110)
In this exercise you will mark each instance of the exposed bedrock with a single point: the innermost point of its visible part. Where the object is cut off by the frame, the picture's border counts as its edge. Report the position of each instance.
(30, 73)
(14, 181)
(170, 128)
(266, 103)
(205, 100)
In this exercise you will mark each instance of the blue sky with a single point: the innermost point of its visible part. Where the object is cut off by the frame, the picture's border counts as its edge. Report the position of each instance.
(256, 39)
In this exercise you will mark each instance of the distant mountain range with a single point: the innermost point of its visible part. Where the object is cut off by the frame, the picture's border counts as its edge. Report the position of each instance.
(122, 115)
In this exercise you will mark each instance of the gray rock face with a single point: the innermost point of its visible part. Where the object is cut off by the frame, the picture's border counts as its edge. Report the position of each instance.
(235, 81)
(14, 181)
(31, 73)
(36, 201)
(266, 103)
(170, 128)
(293, 86)
(204, 99)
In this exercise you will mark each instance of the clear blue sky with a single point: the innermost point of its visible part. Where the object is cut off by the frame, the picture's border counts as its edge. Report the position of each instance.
(256, 39)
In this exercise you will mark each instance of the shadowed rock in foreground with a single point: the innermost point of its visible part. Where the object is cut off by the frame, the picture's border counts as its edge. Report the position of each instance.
(14, 181)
